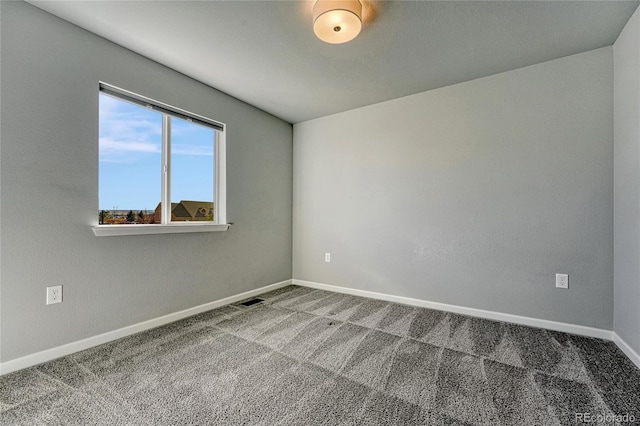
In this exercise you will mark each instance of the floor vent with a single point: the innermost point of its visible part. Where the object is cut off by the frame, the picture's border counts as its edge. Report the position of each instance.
(251, 302)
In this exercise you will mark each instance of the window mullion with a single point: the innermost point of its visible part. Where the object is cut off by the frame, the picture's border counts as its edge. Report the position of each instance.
(166, 167)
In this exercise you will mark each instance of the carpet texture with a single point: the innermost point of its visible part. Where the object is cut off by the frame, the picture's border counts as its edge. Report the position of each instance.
(312, 357)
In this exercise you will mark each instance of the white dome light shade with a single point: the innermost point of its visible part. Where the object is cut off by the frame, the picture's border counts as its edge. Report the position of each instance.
(337, 21)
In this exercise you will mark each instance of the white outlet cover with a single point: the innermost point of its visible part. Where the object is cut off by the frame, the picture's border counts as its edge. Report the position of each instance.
(562, 280)
(54, 294)
(327, 257)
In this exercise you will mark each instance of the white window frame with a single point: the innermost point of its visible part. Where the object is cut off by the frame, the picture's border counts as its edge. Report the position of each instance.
(220, 191)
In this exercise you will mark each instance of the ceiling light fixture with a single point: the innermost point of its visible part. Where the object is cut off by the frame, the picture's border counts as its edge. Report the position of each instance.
(337, 21)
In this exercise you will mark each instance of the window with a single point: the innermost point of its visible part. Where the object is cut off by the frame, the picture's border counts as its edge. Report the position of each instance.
(161, 169)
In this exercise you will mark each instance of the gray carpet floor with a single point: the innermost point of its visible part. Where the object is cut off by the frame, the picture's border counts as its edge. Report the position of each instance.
(311, 357)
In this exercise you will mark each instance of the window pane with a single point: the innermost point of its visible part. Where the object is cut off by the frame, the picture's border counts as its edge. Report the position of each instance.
(129, 162)
(192, 177)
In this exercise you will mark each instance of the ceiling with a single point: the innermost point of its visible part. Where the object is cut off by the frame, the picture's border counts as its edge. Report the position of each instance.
(265, 52)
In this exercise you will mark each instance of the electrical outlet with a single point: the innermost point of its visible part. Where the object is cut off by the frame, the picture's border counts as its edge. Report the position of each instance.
(327, 257)
(54, 294)
(562, 280)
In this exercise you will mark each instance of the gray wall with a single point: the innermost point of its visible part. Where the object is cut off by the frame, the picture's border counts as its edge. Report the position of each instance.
(473, 195)
(49, 194)
(626, 209)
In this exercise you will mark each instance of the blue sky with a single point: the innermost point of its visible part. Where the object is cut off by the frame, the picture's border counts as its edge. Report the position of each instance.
(130, 139)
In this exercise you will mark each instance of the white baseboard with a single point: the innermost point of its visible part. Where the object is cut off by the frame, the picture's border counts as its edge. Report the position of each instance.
(498, 316)
(628, 350)
(80, 345)
(60, 351)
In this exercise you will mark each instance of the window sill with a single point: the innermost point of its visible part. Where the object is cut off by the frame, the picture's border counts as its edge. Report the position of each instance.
(116, 230)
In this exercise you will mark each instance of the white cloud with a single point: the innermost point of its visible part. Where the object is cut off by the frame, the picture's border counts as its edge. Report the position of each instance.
(200, 150)
(128, 131)
(109, 145)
